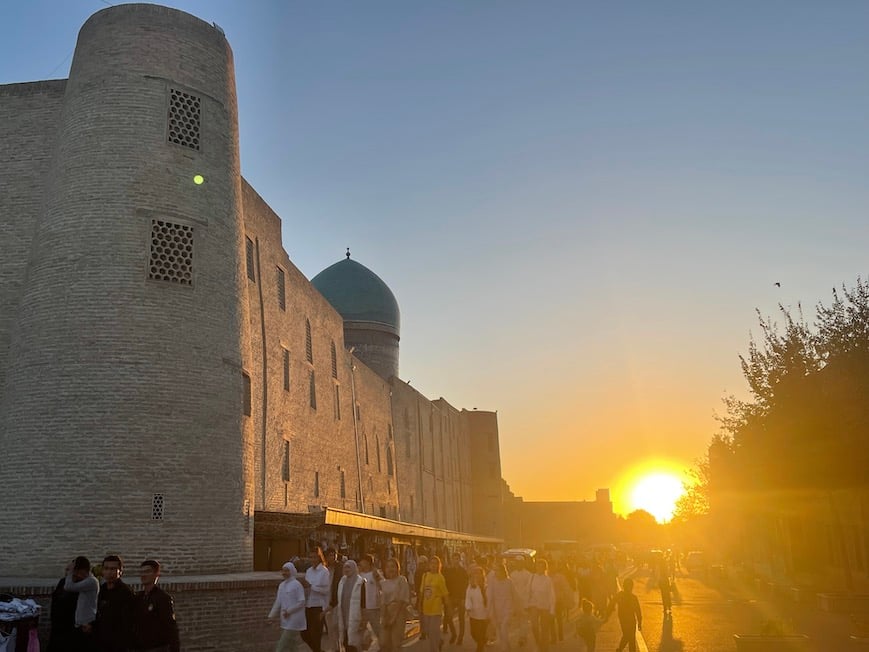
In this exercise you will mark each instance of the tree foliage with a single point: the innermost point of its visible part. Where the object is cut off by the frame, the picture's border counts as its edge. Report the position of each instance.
(694, 503)
(807, 424)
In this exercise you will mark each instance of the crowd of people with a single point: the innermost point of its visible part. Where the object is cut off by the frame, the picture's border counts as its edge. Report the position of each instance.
(341, 605)
(92, 616)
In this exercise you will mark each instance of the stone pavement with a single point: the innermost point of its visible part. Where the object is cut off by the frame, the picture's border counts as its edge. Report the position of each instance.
(607, 640)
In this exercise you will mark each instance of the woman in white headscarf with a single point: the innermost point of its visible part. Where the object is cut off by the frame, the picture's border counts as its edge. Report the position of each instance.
(351, 602)
(290, 607)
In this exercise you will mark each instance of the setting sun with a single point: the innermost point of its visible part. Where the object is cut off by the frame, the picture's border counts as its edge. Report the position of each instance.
(657, 493)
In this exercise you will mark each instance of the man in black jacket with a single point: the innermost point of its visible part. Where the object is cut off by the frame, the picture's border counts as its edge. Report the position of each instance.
(63, 605)
(113, 628)
(154, 626)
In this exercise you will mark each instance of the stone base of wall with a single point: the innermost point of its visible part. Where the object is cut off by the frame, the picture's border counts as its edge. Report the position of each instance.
(214, 612)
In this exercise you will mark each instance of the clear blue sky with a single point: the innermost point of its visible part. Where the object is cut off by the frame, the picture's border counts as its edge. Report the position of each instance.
(578, 205)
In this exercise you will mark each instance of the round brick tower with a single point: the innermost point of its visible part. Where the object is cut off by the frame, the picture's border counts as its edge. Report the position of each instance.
(123, 426)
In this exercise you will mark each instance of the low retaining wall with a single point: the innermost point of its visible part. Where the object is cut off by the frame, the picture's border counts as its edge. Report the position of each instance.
(215, 613)
(853, 603)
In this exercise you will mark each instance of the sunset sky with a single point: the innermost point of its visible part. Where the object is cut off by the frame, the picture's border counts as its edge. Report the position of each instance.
(578, 205)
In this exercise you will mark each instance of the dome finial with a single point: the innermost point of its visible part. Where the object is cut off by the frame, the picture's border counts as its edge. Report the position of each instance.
(348, 253)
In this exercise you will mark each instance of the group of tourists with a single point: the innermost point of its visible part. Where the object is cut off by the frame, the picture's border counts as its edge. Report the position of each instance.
(341, 605)
(350, 600)
(92, 616)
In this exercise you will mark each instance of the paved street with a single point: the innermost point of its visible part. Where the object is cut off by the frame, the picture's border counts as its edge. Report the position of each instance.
(706, 615)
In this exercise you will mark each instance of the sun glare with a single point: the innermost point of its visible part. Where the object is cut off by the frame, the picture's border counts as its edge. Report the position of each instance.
(657, 493)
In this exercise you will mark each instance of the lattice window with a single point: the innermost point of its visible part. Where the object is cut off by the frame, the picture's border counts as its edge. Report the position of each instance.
(337, 403)
(185, 111)
(309, 346)
(285, 467)
(390, 468)
(312, 390)
(251, 274)
(343, 486)
(171, 252)
(316, 484)
(377, 451)
(157, 507)
(282, 289)
(286, 370)
(334, 361)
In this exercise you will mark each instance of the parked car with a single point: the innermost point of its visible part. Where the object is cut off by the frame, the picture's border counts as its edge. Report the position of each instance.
(519, 554)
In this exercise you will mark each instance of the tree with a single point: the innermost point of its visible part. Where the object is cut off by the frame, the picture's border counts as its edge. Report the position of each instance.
(694, 503)
(804, 431)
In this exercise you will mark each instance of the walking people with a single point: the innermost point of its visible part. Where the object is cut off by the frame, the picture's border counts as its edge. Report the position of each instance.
(563, 599)
(503, 603)
(432, 598)
(476, 603)
(289, 606)
(630, 616)
(394, 597)
(666, 588)
(421, 569)
(351, 603)
(113, 627)
(600, 590)
(317, 584)
(541, 604)
(587, 625)
(154, 625)
(521, 577)
(336, 572)
(372, 578)
(457, 583)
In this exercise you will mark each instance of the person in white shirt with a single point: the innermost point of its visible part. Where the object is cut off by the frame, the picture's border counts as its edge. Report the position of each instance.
(521, 578)
(290, 606)
(317, 583)
(477, 607)
(82, 581)
(541, 604)
(372, 578)
(394, 599)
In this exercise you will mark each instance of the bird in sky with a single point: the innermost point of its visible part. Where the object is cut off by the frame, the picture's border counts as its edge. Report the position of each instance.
(777, 284)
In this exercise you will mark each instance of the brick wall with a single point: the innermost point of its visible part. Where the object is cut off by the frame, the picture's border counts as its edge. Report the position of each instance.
(120, 387)
(486, 471)
(320, 443)
(214, 614)
(28, 115)
(322, 439)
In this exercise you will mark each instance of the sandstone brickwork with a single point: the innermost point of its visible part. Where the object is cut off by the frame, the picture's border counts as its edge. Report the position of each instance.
(166, 372)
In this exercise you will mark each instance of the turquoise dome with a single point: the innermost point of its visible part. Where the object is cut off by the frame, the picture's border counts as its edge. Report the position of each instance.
(358, 294)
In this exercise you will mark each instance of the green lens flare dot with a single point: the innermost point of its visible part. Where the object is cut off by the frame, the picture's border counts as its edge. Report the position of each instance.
(198, 179)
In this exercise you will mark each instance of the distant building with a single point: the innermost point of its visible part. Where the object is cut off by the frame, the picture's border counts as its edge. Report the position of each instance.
(170, 384)
(532, 524)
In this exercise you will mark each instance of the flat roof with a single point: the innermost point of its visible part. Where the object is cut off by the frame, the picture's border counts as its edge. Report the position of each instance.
(357, 521)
